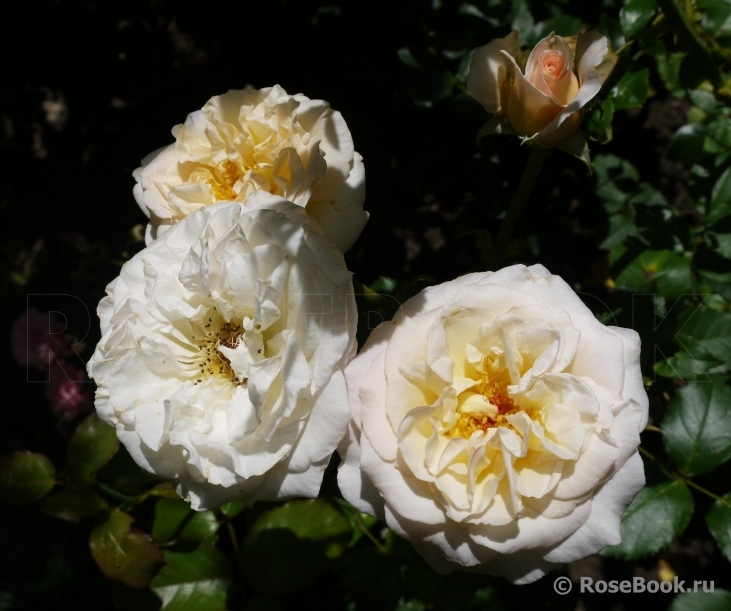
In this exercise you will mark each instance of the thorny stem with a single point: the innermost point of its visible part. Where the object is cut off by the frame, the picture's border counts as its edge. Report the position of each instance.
(682, 21)
(520, 197)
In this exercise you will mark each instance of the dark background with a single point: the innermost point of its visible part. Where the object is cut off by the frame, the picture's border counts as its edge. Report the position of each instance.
(90, 88)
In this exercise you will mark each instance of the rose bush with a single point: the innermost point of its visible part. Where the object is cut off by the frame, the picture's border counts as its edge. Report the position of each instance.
(542, 102)
(496, 425)
(222, 353)
(252, 140)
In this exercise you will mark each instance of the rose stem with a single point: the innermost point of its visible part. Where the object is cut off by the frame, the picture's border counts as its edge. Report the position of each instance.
(520, 197)
(116, 494)
(223, 518)
(691, 41)
(364, 529)
(684, 479)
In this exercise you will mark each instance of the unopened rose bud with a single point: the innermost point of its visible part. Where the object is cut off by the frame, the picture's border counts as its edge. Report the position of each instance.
(544, 101)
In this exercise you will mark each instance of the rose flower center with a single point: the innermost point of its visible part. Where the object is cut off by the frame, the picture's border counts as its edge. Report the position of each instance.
(467, 423)
(209, 361)
(552, 64)
(223, 181)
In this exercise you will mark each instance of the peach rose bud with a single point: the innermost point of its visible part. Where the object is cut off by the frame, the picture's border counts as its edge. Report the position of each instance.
(545, 102)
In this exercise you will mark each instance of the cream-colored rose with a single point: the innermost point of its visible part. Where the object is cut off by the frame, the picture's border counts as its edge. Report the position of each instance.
(258, 140)
(543, 102)
(495, 424)
(222, 353)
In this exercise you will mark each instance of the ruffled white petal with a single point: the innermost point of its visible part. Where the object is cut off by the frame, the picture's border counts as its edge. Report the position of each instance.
(223, 349)
(491, 419)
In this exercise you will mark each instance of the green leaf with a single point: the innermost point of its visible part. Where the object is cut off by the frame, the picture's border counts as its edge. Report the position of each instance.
(299, 539)
(384, 284)
(176, 521)
(718, 137)
(616, 179)
(74, 505)
(684, 366)
(522, 20)
(597, 124)
(92, 446)
(314, 520)
(124, 475)
(463, 68)
(472, 11)
(719, 524)
(721, 193)
(232, 509)
(706, 334)
(697, 426)
(688, 143)
(25, 477)
(407, 57)
(611, 29)
(563, 25)
(718, 600)
(717, 16)
(657, 269)
(123, 553)
(668, 67)
(704, 100)
(658, 515)
(719, 243)
(194, 581)
(632, 89)
(635, 16)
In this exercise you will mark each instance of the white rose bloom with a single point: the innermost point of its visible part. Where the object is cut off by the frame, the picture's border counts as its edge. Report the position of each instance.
(496, 425)
(253, 140)
(222, 353)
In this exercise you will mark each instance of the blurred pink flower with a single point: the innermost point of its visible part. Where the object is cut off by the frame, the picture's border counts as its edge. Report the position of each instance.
(67, 393)
(36, 336)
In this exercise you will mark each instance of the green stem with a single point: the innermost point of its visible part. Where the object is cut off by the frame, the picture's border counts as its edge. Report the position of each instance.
(235, 545)
(691, 41)
(457, 83)
(692, 484)
(369, 534)
(520, 197)
(646, 453)
(685, 480)
(116, 494)
(222, 518)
